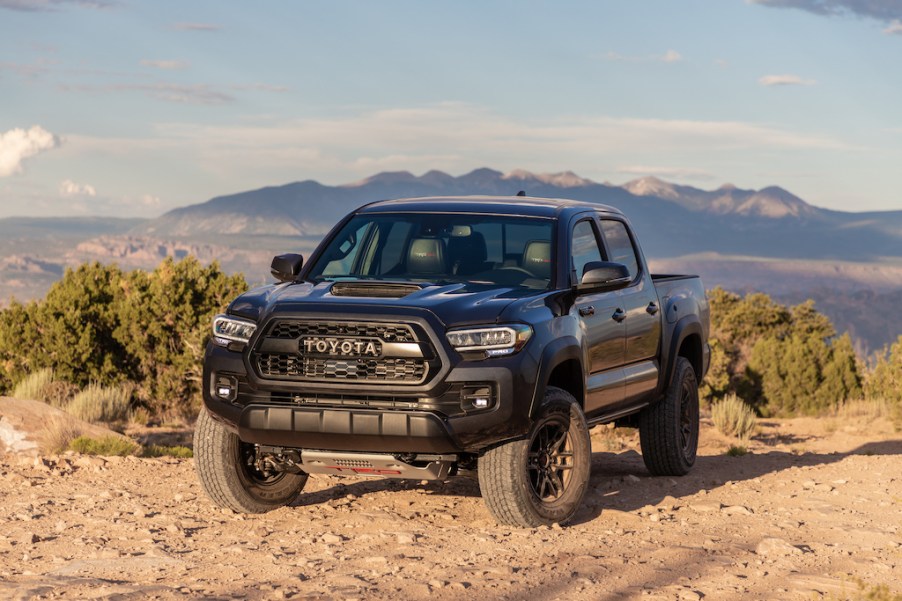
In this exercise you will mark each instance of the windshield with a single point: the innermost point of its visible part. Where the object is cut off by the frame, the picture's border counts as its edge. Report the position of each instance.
(441, 248)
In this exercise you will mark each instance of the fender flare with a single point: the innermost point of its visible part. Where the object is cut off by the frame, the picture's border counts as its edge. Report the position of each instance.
(683, 329)
(560, 350)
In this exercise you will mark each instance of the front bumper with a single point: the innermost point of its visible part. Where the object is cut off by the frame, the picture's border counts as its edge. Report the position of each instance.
(383, 419)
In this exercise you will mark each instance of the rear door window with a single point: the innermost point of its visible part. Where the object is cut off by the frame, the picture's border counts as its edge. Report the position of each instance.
(620, 245)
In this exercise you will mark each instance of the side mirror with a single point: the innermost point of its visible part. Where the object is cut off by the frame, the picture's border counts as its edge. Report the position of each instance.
(599, 276)
(286, 268)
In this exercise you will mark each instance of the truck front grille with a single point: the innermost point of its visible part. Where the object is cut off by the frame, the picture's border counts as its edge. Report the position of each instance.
(310, 351)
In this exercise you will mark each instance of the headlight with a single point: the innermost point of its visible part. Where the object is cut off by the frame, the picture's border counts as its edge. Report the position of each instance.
(495, 341)
(226, 329)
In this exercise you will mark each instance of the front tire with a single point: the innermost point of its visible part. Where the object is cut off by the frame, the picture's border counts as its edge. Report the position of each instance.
(668, 430)
(225, 467)
(542, 479)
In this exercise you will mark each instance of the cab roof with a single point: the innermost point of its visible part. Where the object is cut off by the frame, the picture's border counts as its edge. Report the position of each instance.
(502, 205)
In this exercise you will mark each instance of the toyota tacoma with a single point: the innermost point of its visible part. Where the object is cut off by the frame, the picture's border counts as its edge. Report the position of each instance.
(433, 336)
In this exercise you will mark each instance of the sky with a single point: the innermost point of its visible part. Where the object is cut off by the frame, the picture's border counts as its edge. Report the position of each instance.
(130, 108)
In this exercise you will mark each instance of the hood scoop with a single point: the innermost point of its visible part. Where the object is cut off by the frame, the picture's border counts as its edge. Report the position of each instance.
(374, 289)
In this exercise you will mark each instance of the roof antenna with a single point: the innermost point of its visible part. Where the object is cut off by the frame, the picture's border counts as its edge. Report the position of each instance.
(521, 193)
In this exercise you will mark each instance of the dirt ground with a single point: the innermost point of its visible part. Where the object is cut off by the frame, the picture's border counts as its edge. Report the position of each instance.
(813, 507)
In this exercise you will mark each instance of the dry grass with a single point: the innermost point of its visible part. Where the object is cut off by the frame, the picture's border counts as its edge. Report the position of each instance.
(32, 386)
(59, 433)
(100, 404)
(868, 410)
(733, 417)
(871, 410)
(610, 439)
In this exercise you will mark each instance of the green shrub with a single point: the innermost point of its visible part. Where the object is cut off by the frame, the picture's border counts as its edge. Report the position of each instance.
(167, 451)
(737, 451)
(101, 404)
(885, 381)
(164, 325)
(867, 592)
(734, 418)
(32, 386)
(108, 445)
(101, 325)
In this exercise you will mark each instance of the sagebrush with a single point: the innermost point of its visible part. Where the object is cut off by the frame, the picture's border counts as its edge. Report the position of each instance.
(101, 404)
(733, 417)
(31, 387)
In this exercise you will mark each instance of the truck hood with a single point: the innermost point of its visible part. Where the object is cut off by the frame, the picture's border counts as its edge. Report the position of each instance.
(452, 304)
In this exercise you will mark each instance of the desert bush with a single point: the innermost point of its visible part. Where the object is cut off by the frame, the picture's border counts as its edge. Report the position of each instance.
(867, 592)
(167, 451)
(737, 451)
(71, 329)
(100, 325)
(58, 393)
(58, 433)
(32, 386)
(107, 445)
(139, 416)
(885, 381)
(733, 417)
(101, 404)
(164, 325)
(783, 360)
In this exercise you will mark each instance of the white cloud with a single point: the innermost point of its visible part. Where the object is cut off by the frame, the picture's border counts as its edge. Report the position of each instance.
(876, 9)
(671, 56)
(671, 172)
(53, 5)
(182, 26)
(169, 65)
(785, 80)
(169, 92)
(18, 144)
(150, 200)
(259, 87)
(69, 189)
(894, 28)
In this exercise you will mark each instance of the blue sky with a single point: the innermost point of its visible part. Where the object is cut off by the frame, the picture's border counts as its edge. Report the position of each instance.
(131, 108)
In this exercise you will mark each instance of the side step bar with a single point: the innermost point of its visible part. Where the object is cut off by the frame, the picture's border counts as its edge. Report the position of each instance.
(437, 467)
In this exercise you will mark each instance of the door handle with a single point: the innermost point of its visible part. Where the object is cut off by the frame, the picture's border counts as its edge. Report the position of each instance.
(619, 315)
(587, 311)
(652, 308)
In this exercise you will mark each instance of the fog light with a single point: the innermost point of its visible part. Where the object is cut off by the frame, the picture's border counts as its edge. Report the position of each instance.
(477, 397)
(225, 388)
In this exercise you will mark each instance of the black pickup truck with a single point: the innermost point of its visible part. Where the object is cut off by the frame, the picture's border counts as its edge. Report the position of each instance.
(431, 336)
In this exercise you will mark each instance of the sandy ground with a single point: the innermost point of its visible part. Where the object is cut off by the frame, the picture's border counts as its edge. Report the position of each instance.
(815, 506)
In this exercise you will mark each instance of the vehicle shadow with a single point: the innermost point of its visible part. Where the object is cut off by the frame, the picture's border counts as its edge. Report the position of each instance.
(460, 486)
(610, 486)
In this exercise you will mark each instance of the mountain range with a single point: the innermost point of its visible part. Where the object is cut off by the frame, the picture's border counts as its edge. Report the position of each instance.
(672, 220)
(769, 239)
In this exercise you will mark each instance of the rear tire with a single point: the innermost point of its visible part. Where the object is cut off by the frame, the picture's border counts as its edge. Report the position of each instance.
(542, 479)
(668, 430)
(227, 474)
